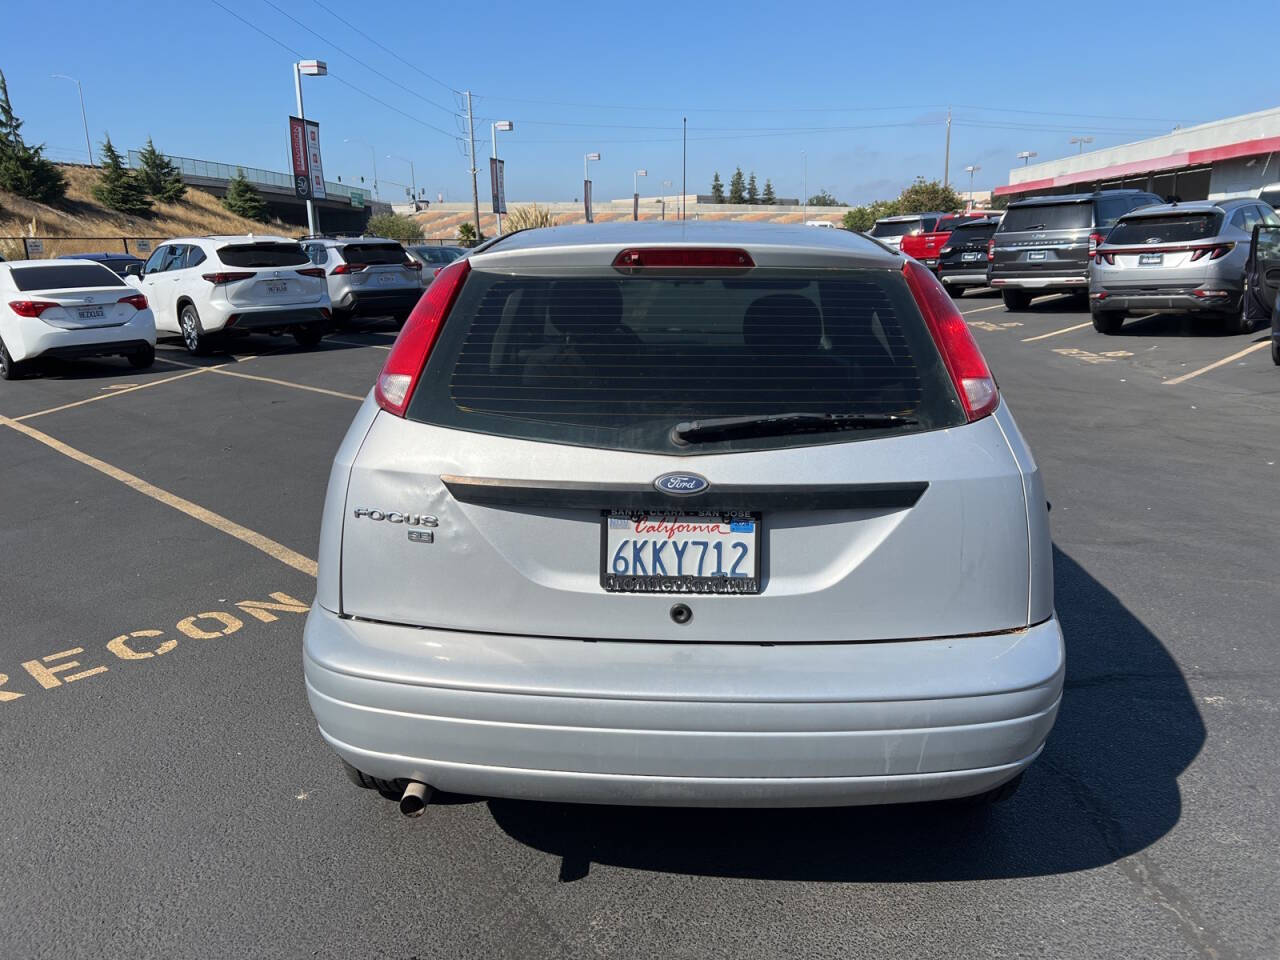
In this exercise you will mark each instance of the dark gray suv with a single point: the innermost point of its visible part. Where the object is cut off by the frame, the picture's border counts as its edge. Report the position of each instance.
(1044, 244)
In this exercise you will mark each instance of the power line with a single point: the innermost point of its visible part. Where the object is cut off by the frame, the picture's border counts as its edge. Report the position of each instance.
(351, 56)
(387, 50)
(332, 75)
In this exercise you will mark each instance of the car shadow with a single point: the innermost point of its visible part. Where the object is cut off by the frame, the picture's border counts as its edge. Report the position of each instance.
(1105, 788)
(1177, 325)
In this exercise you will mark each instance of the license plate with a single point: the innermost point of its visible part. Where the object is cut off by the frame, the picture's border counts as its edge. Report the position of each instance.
(1036, 255)
(680, 553)
(970, 256)
(1150, 259)
(91, 313)
(387, 278)
(277, 286)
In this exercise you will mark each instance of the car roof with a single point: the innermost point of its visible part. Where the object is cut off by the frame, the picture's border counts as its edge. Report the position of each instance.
(770, 244)
(1190, 206)
(97, 256)
(1076, 197)
(899, 218)
(234, 238)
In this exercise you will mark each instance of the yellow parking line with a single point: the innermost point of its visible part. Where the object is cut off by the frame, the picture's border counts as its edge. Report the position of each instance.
(1218, 363)
(1078, 326)
(108, 396)
(352, 343)
(279, 383)
(271, 548)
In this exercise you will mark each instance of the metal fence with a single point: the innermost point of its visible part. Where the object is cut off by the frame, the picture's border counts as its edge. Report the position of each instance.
(213, 170)
(43, 248)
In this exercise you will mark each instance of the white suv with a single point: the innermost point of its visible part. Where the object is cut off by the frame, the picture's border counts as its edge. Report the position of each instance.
(208, 288)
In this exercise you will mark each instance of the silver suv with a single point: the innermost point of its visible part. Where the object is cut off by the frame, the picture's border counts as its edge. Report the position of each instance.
(368, 276)
(686, 514)
(1188, 257)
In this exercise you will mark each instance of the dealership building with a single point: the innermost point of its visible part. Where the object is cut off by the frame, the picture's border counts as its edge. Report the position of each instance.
(1226, 158)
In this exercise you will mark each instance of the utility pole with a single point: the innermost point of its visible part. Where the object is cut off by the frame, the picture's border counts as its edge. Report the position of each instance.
(946, 161)
(475, 189)
(684, 164)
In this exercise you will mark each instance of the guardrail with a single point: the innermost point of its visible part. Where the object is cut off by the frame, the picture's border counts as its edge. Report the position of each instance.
(214, 170)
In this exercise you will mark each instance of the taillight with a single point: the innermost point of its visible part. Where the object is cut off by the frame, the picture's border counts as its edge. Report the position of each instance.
(30, 308)
(413, 346)
(312, 272)
(226, 277)
(648, 257)
(991, 249)
(413, 265)
(960, 353)
(135, 300)
(1095, 238)
(1221, 251)
(348, 268)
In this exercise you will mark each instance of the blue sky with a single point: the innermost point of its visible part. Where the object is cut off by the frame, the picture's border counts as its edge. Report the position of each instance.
(859, 89)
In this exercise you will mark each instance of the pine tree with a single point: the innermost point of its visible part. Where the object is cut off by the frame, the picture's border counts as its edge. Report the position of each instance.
(118, 188)
(768, 195)
(23, 169)
(717, 188)
(243, 199)
(737, 187)
(753, 192)
(160, 175)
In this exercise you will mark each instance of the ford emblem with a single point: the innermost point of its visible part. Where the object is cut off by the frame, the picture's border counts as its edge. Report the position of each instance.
(681, 484)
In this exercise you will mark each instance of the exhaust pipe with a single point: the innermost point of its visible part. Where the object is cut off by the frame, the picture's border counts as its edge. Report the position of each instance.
(416, 797)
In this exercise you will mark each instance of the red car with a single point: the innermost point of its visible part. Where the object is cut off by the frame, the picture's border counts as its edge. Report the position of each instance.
(925, 246)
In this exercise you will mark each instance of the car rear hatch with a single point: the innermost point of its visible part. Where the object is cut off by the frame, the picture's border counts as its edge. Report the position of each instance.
(1041, 240)
(381, 267)
(1147, 245)
(75, 296)
(966, 249)
(583, 451)
(268, 273)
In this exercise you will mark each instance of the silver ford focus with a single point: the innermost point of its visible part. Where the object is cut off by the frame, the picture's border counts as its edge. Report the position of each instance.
(685, 514)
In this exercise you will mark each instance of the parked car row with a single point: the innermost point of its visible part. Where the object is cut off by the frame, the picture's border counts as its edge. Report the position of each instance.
(206, 290)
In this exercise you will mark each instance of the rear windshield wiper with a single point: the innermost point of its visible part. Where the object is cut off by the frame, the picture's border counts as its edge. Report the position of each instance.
(778, 424)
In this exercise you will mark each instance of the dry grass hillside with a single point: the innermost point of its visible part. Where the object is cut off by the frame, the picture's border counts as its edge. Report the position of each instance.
(443, 225)
(80, 215)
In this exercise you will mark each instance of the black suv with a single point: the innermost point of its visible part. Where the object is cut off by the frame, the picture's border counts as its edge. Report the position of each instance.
(962, 261)
(1044, 244)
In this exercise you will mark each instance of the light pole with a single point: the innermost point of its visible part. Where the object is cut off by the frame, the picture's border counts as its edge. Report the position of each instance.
(506, 126)
(635, 193)
(310, 68)
(586, 176)
(413, 176)
(1026, 155)
(83, 119)
(971, 170)
(1082, 141)
(373, 156)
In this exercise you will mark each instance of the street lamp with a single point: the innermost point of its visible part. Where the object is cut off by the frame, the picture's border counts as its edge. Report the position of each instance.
(83, 118)
(586, 176)
(971, 170)
(1026, 155)
(308, 68)
(506, 126)
(1082, 141)
(413, 176)
(373, 156)
(635, 193)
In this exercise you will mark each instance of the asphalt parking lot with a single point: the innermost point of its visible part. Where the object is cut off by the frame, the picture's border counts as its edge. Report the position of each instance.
(166, 795)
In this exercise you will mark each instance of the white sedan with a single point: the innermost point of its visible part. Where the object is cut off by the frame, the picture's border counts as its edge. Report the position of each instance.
(70, 309)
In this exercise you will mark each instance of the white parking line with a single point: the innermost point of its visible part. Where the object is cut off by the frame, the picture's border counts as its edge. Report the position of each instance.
(1218, 363)
(1054, 333)
(352, 343)
(1000, 306)
(279, 383)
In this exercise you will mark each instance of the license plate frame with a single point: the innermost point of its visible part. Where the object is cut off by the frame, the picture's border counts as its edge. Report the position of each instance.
(1151, 259)
(969, 256)
(680, 583)
(277, 286)
(1037, 255)
(387, 278)
(91, 313)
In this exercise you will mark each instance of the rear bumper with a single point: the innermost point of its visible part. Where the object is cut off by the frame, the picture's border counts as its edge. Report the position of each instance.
(30, 337)
(379, 302)
(683, 724)
(1105, 297)
(258, 320)
(961, 278)
(1060, 281)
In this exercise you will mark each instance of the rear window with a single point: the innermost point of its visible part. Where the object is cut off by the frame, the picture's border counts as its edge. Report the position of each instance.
(1177, 228)
(373, 253)
(435, 254)
(896, 228)
(62, 277)
(263, 255)
(597, 359)
(973, 231)
(1048, 216)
